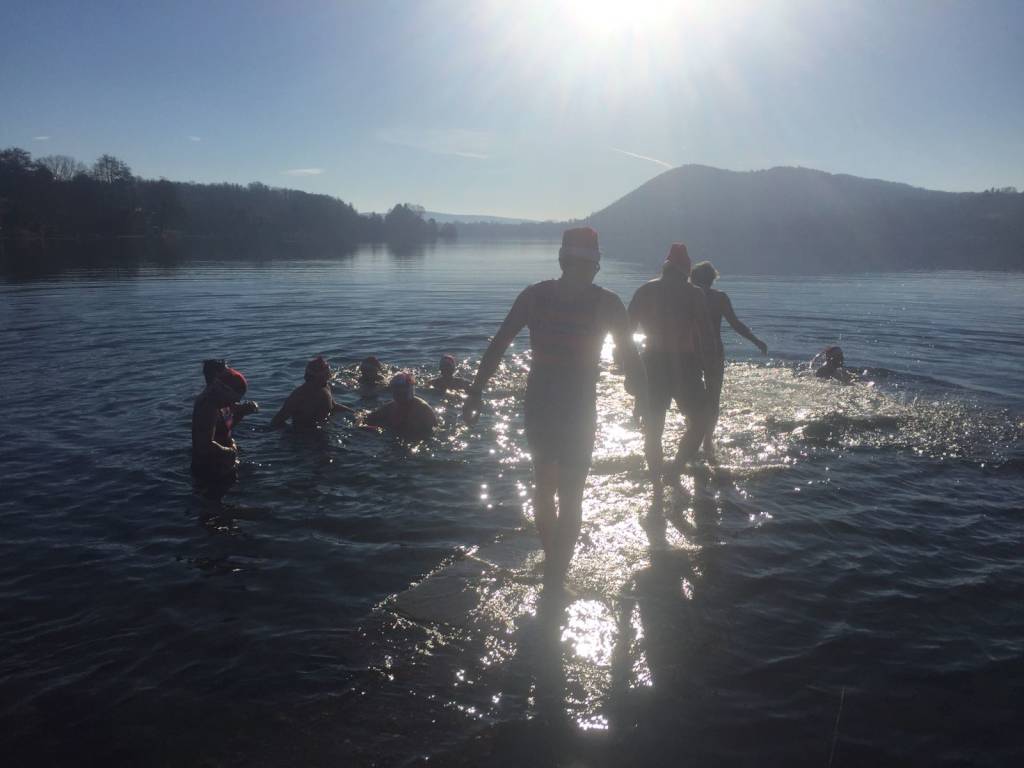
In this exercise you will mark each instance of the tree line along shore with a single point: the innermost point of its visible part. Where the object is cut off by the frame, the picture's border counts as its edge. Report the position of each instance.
(58, 199)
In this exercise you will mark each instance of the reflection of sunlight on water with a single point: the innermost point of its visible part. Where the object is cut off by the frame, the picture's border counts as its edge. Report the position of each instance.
(773, 418)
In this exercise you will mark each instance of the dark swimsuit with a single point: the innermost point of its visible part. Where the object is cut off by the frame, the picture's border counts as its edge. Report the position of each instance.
(561, 398)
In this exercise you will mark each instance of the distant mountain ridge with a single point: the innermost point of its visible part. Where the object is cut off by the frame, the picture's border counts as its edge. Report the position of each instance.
(785, 220)
(472, 218)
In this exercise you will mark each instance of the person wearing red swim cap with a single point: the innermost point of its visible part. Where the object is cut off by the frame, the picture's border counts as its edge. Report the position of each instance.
(232, 414)
(568, 319)
(406, 415)
(312, 402)
(673, 314)
(214, 455)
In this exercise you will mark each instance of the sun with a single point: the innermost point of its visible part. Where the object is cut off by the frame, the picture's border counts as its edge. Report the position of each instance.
(612, 19)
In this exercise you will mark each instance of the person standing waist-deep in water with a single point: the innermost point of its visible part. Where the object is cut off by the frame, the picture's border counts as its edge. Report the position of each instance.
(673, 314)
(568, 320)
(214, 451)
(230, 415)
(719, 306)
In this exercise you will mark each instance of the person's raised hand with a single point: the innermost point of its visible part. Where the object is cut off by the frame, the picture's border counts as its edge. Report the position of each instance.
(762, 346)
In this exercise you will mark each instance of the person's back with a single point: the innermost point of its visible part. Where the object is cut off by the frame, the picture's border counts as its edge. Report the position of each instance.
(407, 416)
(312, 402)
(719, 306)
(568, 320)
(673, 314)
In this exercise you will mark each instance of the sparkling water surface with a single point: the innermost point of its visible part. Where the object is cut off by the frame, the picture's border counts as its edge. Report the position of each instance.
(845, 589)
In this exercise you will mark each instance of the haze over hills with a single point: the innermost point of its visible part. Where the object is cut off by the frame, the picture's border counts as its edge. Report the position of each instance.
(472, 218)
(785, 220)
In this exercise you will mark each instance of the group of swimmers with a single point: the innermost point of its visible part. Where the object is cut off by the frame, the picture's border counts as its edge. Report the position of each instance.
(568, 319)
(220, 406)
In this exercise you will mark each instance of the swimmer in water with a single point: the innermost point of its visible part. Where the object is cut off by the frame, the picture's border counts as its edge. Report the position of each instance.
(679, 352)
(719, 306)
(568, 320)
(406, 415)
(371, 377)
(448, 380)
(232, 414)
(214, 451)
(833, 367)
(312, 402)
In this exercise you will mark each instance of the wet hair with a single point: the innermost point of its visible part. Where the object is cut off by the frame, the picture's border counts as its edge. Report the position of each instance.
(833, 354)
(403, 386)
(212, 369)
(703, 274)
(447, 362)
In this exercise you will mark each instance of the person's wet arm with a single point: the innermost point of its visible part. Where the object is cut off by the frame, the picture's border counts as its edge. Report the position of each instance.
(286, 412)
(378, 418)
(204, 430)
(737, 325)
(622, 334)
(514, 322)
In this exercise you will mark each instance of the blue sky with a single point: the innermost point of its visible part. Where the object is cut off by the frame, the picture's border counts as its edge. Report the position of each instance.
(535, 109)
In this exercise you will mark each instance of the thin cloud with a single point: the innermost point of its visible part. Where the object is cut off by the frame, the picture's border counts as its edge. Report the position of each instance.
(303, 172)
(40, 138)
(452, 142)
(195, 138)
(655, 160)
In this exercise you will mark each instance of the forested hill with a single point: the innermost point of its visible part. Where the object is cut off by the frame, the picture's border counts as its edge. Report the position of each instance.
(797, 220)
(56, 198)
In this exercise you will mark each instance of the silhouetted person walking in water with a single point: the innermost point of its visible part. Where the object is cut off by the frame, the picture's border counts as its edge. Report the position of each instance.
(719, 306)
(673, 314)
(568, 320)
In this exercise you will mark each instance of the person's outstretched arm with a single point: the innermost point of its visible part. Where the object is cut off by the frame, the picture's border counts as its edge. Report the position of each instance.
(730, 315)
(514, 322)
(282, 416)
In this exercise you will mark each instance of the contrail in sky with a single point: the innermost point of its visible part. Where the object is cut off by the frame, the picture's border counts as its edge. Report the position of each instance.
(662, 163)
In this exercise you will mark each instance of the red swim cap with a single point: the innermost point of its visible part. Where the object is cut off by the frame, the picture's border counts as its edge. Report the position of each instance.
(678, 256)
(580, 244)
(235, 380)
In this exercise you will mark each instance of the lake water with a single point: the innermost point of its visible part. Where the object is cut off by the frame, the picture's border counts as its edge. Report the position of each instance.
(848, 589)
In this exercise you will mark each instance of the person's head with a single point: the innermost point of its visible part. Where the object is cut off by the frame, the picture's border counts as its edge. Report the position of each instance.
(370, 369)
(447, 365)
(833, 356)
(703, 274)
(677, 262)
(212, 369)
(229, 386)
(579, 257)
(318, 371)
(403, 387)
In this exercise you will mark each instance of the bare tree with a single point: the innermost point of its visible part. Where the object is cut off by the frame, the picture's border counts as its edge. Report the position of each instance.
(108, 169)
(63, 167)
